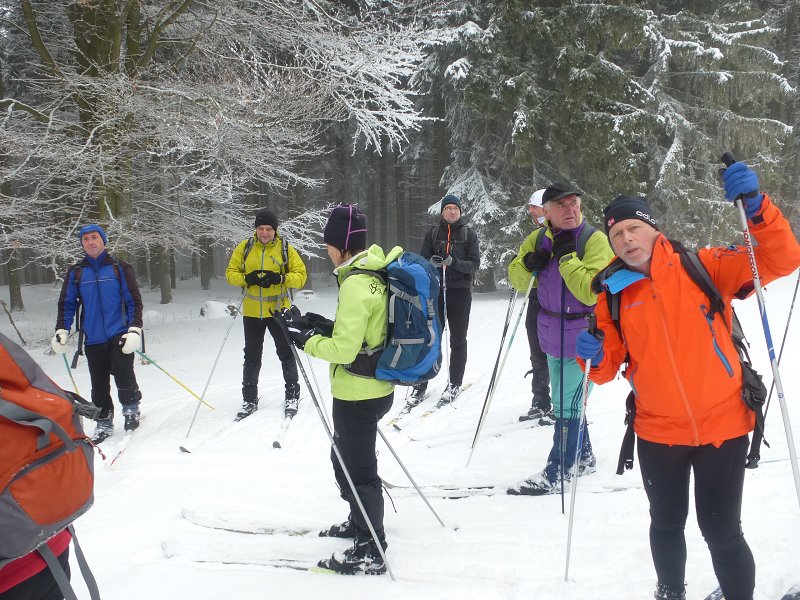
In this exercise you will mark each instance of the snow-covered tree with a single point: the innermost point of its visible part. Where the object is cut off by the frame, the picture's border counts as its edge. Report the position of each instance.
(167, 121)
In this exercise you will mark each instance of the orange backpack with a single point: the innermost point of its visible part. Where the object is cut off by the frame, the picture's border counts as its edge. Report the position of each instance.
(46, 460)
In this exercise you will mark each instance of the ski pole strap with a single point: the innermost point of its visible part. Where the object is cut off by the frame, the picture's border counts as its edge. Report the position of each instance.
(629, 440)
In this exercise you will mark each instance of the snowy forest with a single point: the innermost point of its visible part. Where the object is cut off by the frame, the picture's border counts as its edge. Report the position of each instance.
(170, 121)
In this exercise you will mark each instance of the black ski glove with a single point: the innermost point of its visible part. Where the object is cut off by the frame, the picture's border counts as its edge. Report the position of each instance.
(536, 261)
(299, 329)
(322, 325)
(270, 278)
(253, 278)
(563, 244)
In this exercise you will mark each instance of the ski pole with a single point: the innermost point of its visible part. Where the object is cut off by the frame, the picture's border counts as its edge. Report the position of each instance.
(445, 335)
(175, 379)
(69, 371)
(576, 464)
(578, 448)
(511, 301)
(214, 366)
(783, 342)
(282, 322)
(728, 159)
(564, 429)
(410, 478)
(496, 376)
(755, 453)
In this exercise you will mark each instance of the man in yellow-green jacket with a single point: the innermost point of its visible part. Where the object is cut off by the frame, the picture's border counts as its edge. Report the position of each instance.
(359, 400)
(562, 258)
(267, 267)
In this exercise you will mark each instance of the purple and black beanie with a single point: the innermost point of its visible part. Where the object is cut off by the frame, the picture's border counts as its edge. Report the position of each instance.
(346, 228)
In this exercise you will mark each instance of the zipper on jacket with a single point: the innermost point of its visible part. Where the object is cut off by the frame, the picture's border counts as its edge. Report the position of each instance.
(674, 366)
(717, 349)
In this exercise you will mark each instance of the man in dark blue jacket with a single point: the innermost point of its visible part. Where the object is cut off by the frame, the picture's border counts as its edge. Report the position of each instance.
(104, 292)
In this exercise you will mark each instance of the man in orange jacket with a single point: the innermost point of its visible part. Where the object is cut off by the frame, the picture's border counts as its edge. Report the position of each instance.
(686, 376)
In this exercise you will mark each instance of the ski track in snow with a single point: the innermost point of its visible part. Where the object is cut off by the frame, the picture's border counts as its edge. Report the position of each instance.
(494, 547)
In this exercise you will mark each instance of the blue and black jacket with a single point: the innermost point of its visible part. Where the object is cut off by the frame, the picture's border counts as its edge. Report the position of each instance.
(107, 292)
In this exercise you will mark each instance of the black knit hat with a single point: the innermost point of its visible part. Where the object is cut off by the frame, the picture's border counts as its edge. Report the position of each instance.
(266, 217)
(346, 228)
(558, 190)
(451, 199)
(628, 207)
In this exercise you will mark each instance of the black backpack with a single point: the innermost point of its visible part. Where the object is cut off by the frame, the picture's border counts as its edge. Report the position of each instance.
(754, 392)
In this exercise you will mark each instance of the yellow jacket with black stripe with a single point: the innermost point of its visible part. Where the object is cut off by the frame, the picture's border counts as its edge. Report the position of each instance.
(261, 302)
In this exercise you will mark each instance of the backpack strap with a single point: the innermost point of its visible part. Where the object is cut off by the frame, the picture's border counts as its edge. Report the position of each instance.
(247, 247)
(285, 267)
(61, 576)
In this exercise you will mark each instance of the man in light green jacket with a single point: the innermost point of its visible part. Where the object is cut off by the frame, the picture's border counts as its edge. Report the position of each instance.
(359, 400)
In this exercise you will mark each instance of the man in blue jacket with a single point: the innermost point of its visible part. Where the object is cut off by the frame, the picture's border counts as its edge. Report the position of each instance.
(103, 294)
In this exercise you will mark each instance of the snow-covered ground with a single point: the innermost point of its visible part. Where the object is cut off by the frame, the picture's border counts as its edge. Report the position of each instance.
(492, 547)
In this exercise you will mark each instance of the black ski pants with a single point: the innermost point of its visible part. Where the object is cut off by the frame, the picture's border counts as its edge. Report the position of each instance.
(459, 304)
(718, 485)
(104, 361)
(540, 384)
(355, 427)
(254, 331)
(42, 586)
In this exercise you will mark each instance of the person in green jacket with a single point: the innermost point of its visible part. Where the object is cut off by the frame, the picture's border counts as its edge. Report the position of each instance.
(359, 400)
(267, 267)
(562, 258)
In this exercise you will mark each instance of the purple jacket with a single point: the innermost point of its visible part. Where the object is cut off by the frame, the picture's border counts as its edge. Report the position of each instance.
(550, 283)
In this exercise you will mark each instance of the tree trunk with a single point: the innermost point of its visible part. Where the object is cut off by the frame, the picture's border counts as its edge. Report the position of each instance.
(14, 286)
(164, 275)
(206, 262)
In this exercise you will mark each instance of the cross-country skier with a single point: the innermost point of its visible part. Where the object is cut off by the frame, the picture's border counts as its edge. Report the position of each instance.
(359, 400)
(564, 262)
(685, 373)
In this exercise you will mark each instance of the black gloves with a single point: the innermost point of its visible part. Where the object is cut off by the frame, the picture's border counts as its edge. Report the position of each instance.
(322, 325)
(253, 278)
(563, 244)
(271, 278)
(298, 326)
(536, 261)
(263, 278)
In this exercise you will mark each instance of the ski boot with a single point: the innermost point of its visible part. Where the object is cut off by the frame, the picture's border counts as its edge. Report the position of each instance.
(668, 592)
(450, 394)
(103, 430)
(132, 417)
(418, 393)
(292, 402)
(345, 529)
(248, 408)
(362, 558)
(538, 485)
